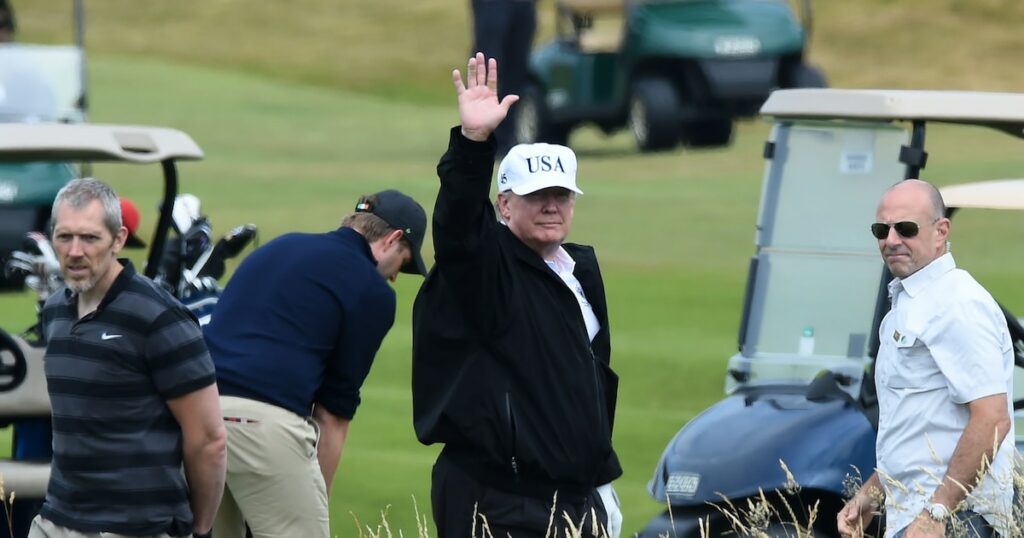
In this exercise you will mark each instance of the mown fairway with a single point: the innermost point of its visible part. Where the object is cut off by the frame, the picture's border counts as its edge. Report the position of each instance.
(293, 133)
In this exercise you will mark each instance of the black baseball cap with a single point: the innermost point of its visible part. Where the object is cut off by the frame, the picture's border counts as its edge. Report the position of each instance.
(401, 213)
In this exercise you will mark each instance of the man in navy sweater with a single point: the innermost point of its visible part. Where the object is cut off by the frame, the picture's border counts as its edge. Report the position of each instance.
(293, 337)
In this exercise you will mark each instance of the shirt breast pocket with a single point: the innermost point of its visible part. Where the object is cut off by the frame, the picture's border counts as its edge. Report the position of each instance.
(914, 367)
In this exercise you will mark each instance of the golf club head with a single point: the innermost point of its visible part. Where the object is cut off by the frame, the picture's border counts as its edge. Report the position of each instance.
(19, 264)
(237, 239)
(227, 247)
(196, 242)
(38, 242)
(39, 265)
(186, 212)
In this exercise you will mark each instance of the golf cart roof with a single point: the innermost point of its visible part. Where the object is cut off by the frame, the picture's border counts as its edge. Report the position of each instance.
(994, 194)
(1003, 111)
(94, 143)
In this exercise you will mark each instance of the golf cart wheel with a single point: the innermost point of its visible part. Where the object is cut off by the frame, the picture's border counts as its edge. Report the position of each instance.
(807, 76)
(654, 114)
(708, 134)
(532, 123)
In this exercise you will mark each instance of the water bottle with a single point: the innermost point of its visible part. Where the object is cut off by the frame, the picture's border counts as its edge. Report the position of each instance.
(806, 346)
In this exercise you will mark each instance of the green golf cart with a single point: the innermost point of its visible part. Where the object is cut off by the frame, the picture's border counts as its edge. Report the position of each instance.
(673, 71)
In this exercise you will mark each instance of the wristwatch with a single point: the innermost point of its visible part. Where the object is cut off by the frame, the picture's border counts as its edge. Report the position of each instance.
(937, 511)
(207, 534)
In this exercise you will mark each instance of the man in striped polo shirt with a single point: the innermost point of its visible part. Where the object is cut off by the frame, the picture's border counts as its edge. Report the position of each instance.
(132, 390)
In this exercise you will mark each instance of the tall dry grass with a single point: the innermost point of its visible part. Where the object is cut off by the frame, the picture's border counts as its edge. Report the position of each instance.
(762, 518)
(766, 515)
(7, 503)
(572, 529)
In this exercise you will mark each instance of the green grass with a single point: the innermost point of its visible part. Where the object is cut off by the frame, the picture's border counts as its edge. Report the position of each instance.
(301, 112)
(404, 50)
(674, 232)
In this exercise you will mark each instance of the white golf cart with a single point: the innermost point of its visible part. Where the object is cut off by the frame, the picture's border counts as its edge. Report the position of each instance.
(23, 397)
(38, 83)
(999, 194)
(801, 390)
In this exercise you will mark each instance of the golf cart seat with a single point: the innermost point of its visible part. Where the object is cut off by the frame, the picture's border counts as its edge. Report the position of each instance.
(598, 23)
(27, 479)
(24, 397)
(591, 7)
(595, 41)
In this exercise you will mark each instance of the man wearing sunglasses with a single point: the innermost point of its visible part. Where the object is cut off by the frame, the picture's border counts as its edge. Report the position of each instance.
(943, 373)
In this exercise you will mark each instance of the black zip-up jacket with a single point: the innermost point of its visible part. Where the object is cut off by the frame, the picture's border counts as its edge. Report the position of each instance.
(504, 372)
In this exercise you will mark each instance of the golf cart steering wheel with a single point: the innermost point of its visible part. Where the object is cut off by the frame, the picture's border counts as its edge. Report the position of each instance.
(11, 374)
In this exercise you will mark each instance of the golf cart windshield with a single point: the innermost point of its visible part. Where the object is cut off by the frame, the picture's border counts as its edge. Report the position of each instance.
(812, 289)
(41, 83)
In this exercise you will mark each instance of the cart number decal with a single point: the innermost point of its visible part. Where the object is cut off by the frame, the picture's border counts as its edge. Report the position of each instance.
(855, 162)
(737, 46)
(684, 484)
(8, 191)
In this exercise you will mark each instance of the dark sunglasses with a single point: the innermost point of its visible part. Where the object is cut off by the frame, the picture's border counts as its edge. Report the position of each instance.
(905, 228)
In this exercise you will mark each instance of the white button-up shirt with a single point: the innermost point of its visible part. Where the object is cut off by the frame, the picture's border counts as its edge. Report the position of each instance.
(943, 345)
(563, 266)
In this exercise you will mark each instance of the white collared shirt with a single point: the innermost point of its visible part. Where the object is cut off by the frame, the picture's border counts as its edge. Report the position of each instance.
(943, 345)
(563, 266)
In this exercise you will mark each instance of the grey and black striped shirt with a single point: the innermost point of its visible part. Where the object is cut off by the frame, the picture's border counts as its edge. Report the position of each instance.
(117, 449)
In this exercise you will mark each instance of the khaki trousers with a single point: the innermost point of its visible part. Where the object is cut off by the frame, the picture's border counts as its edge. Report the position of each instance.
(44, 528)
(274, 483)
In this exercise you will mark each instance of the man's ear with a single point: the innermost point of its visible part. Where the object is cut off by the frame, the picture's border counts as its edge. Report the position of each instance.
(395, 236)
(120, 238)
(502, 204)
(943, 228)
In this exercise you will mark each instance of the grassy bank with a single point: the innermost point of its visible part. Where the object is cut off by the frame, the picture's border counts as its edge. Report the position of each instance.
(397, 49)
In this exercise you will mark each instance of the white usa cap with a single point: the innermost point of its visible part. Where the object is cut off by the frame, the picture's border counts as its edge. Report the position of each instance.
(532, 167)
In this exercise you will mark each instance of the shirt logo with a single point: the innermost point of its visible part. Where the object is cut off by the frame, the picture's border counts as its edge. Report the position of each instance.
(902, 340)
(106, 336)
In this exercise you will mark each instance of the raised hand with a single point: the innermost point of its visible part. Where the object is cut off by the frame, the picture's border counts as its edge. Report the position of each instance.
(479, 109)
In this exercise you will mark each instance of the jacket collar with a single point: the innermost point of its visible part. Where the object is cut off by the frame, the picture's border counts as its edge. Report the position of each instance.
(585, 271)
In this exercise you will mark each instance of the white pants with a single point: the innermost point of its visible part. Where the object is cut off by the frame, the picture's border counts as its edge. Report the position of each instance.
(274, 482)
